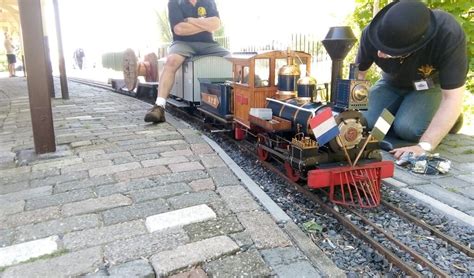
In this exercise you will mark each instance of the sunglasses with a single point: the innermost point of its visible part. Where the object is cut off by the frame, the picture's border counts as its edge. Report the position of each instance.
(387, 56)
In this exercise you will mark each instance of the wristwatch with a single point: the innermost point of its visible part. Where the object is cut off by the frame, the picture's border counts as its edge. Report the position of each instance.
(427, 147)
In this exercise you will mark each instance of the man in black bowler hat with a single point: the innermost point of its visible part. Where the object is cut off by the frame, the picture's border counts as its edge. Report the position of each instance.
(192, 23)
(422, 54)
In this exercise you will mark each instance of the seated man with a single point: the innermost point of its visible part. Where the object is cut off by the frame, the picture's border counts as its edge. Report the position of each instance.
(192, 23)
(423, 56)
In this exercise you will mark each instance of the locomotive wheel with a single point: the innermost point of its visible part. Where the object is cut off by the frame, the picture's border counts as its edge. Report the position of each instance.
(263, 154)
(291, 173)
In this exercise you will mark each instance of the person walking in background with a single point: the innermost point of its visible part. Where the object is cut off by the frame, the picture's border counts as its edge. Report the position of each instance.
(11, 57)
(79, 57)
(423, 56)
(192, 24)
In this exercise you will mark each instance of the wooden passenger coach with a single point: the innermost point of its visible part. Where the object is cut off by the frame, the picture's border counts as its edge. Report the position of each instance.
(255, 78)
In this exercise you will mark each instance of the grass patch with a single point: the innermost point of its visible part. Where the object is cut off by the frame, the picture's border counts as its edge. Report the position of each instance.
(454, 190)
(470, 151)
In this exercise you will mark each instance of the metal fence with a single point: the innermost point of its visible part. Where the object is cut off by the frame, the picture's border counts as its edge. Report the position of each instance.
(299, 42)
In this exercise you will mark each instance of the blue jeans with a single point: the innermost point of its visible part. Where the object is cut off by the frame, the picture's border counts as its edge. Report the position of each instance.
(413, 110)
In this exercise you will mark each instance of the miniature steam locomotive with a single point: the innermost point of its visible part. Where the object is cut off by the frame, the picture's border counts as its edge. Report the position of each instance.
(267, 99)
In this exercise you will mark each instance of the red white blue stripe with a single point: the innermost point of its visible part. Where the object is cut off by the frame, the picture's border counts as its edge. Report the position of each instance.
(324, 126)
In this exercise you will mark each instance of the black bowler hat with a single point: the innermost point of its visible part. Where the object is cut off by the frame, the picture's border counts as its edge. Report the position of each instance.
(402, 27)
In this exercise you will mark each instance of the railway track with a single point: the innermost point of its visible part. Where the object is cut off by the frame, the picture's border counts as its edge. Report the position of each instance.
(389, 251)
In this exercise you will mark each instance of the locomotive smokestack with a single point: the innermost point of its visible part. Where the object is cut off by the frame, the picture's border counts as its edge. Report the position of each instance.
(338, 42)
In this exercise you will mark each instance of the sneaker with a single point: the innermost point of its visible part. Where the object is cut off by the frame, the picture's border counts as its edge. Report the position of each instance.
(155, 115)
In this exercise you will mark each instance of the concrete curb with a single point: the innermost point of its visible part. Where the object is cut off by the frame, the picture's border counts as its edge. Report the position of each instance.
(431, 202)
(307, 246)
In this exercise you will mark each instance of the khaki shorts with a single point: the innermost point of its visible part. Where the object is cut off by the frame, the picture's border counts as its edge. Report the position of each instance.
(190, 49)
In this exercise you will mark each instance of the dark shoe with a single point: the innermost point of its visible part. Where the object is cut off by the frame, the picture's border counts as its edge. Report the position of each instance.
(155, 115)
(457, 125)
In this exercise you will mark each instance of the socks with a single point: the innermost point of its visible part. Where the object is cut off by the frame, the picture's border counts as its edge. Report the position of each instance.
(160, 101)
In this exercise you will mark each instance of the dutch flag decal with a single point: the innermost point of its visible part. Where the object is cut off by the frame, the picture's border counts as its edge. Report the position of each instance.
(324, 126)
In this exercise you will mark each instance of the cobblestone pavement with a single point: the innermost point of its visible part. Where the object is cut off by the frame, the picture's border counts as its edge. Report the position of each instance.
(451, 193)
(121, 197)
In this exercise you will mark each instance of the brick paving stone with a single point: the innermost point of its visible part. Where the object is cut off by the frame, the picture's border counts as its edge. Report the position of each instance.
(71, 264)
(185, 152)
(407, 177)
(102, 235)
(202, 185)
(107, 156)
(212, 228)
(126, 186)
(7, 237)
(163, 191)
(96, 204)
(193, 199)
(241, 265)
(27, 194)
(57, 163)
(288, 261)
(179, 177)
(90, 154)
(144, 245)
(195, 272)
(13, 187)
(141, 173)
(193, 253)
(7, 208)
(30, 217)
(238, 199)
(113, 169)
(84, 183)
(22, 252)
(58, 179)
(154, 150)
(86, 166)
(59, 199)
(135, 211)
(212, 161)
(185, 167)
(448, 197)
(138, 268)
(243, 240)
(164, 161)
(178, 218)
(453, 184)
(15, 171)
(201, 148)
(223, 176)
(56, 227)
(220, 208)
(263, 230)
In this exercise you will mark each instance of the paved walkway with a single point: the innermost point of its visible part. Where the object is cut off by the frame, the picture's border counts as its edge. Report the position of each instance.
(121, 197)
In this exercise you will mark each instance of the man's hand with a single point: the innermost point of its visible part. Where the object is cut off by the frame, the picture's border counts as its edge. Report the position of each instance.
(416, 150)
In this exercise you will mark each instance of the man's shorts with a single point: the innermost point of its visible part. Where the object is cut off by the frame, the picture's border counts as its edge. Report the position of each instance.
(189, 49)
(11, 58)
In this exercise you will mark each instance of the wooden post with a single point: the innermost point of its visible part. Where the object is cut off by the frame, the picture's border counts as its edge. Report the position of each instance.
(62, 67)
(37, 80)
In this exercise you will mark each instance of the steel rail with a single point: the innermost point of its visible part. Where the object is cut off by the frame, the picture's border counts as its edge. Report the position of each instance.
(348, 224)
(463, 248)
(416, 256)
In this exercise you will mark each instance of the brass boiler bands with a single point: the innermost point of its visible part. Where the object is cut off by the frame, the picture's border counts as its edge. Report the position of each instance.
(288, 76)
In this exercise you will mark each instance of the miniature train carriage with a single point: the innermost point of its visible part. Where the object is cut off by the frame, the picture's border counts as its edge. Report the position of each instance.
(256, 77)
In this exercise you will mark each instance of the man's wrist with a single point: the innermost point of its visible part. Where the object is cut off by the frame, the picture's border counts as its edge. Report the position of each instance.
(426, 146)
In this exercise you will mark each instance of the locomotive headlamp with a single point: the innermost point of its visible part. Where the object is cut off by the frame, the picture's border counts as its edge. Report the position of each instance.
(360, 93)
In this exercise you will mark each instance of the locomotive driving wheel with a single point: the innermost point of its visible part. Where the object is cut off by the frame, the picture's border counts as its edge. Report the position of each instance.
(263, 154)
(291, 173)
(130, 73)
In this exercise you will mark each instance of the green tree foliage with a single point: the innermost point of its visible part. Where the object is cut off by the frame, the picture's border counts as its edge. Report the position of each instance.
(164, 24)
(462, 10)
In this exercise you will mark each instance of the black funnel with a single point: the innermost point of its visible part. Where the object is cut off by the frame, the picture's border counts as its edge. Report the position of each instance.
(338, 42)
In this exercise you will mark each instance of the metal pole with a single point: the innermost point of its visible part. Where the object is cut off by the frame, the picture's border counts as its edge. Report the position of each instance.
(62, 67)
(37, 80)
